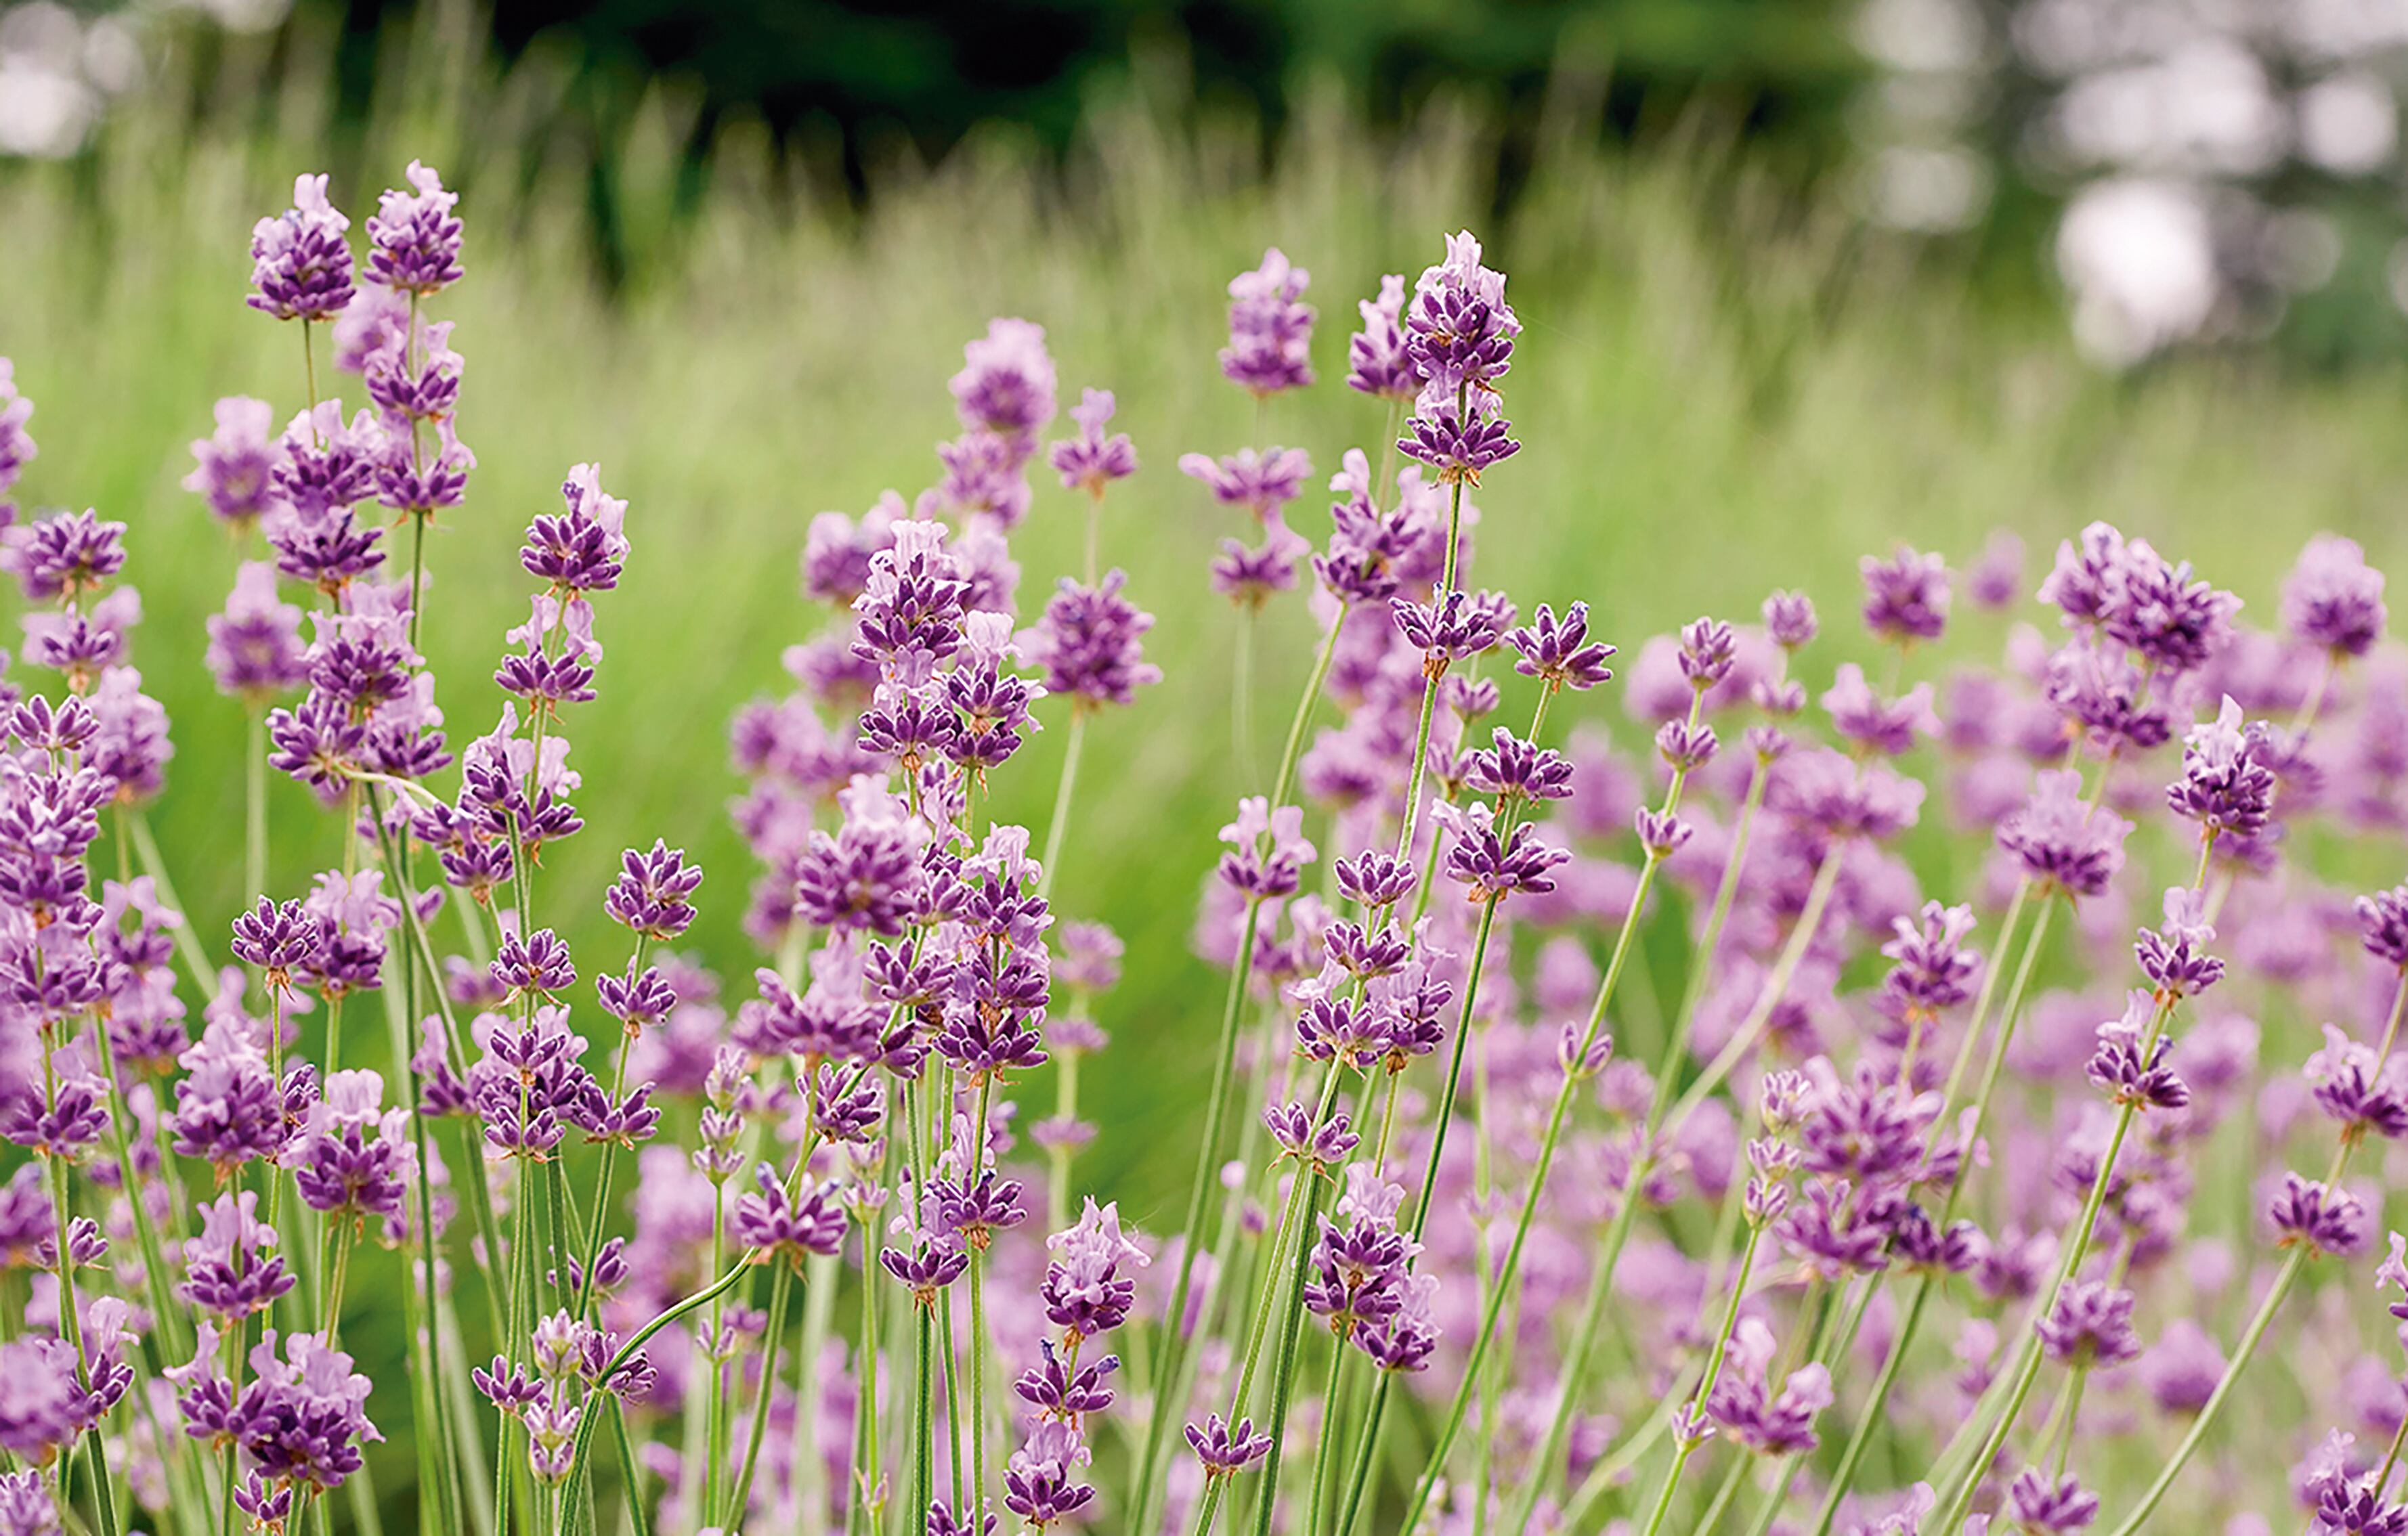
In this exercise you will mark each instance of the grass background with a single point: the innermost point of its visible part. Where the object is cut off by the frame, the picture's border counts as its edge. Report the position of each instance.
(1720, 389)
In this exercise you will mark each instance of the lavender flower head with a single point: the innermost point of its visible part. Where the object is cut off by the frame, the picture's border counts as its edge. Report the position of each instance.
(2060, 841)
(1906, 596)
(1006, 385)
(233, 468)
(1089, 643)
(414, 237)
(2225, 784)
(2333, 600)
(256, 648)
(1270, 328)
(1377, 363)
(1094, 458)
(301, 266)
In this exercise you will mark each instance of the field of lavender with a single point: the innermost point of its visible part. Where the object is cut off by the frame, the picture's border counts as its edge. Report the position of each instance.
(1170, 929)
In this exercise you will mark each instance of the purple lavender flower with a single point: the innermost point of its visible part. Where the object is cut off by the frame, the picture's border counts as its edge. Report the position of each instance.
(2319, 1217)
(2044, 1508)
(255, 649)
(2175, 956)
(783, 1226)
(2332, 599)
(1496, 864)
(1515, 770)
(1041, 1480)
(2227, 784)
(300, 263)
(1089, 643)
(1906, 596)
(1458, 441)
(1934, 971)
(1789, 620)
(1006, 386)
(1268, 848)
(1093, 459)
(1560, 655)
(2120, 1069)
(1262, 483)
(1453, 626)
(2091, 1324)
(1224, 1449)
(16, 444)
(2062, 841)
(65, 557)
(1270, 328)
(867, 874)
(2097, 688)
(1459, 331)
(233, 468)
(413, 237)
(1745, 1407)
(1376, 356)
(2173, 622)
(2382, 926)
(1876, 724)
(1085, 1292)
(654, 892)
(302, 1418)
(2361, 1091)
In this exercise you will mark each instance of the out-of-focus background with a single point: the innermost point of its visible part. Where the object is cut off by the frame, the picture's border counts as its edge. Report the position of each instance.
(1801, 278)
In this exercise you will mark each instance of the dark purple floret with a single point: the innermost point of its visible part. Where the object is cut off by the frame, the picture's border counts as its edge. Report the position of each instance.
(2091, 1324)
(654, 892)
(302, 1415)
(1458, 329)
(2171, 621)
(1040, 1482)
(1376, 358)
(928, 1269)
(2175, 956)
(1377, 879)
(2044, 1508)
(584, 548)
(2322, 1219)
(1561, 656)
(2063, 842)
(67, 555)
(414, 237)
(2360, 1091)
(2333, 599)
(2119, 1069)
(1515, 770)
(1455, 625)
(1058, 1390)
(1088, 644)
(1317, 1145)
(301, 266)
(1224, 1450)
(2383, 925)
(1709, 650)
(1934, 971)
(1906, 596)
(1684, 748)
(1458, 443)
(787, 1227)
(1662, 834)
(1497, 866)
(2227, 783)
(2361, 1511)
(537, 965)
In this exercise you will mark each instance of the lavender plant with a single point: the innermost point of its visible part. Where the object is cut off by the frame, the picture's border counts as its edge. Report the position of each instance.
(1493, 1222)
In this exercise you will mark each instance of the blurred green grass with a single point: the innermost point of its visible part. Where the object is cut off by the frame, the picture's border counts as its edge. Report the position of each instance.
(1720, 390)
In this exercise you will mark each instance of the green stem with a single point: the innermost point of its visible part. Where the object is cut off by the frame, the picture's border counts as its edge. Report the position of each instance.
(1283, 1373)
(2207, 1415)
(1060, 824)
(1433, 671)
(1174, 1348)
(781, 1283)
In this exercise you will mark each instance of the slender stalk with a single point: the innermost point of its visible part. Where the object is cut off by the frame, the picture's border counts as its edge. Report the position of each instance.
(2207, 1415)
(1432, 674)
(1687, 1446)
(188, 943)
(1284, 1371)
(1445, 1113)
(71, 1329)
(1325, 1456)
(1060, 823)
(739, 1499)
(1216, 1110)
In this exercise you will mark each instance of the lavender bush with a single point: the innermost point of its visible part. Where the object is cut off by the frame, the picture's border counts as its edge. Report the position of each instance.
(1493, 1223)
